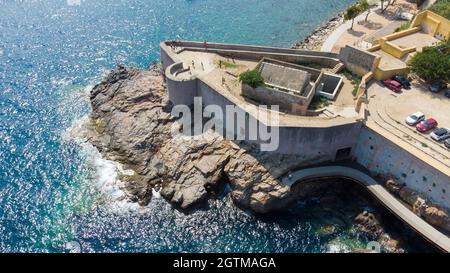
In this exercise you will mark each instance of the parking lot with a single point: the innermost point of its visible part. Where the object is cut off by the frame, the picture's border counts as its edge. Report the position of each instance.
(389, 110)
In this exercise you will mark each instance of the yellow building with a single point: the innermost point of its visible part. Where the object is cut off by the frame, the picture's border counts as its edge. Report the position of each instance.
(433, 24)
(395, 50)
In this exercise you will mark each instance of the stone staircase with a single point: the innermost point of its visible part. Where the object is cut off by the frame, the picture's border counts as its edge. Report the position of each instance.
(337, 68)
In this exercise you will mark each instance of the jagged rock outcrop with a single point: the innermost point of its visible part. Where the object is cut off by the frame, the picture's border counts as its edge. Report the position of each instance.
(431, 213)
(131, 123)
(393, 186)
(370, 224)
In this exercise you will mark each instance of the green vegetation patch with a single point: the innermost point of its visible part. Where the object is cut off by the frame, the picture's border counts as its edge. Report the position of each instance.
(403, 26)
(252, 78)
(318, 102)
(441, 7)
(313, 65)
(355, 80)
(227, 65)
(433, 63)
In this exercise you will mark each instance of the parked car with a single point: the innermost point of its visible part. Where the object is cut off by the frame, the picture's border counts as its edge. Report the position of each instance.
(402, 80)
(440, 134)
(426, 125)
(447, 143)
(393, 85)
(437, 87)
(415, 118)
(447, 93)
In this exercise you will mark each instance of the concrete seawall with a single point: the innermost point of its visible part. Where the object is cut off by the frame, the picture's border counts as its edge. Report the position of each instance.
(311, 143)
(381, 156)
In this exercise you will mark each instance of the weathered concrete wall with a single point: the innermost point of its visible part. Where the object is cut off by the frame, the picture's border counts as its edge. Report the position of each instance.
(318, 142)
(433, 24)
(326, 59)
(166, 60)
(381, 156)
(315, 73)
(358, 61)
(331, 84)
(312, 143)
(269, 96)
(240, 47)
(181, 91)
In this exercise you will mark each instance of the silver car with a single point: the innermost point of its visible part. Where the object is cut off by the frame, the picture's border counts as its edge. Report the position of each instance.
(415, 118)
(440, 134)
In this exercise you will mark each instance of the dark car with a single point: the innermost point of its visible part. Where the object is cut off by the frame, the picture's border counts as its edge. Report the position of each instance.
(447, 93)
(440, 134)
(403, 81)
(437, 87)
(447, 143)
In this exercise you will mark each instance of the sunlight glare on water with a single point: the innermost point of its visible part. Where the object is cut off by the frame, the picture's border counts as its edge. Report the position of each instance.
(57, 195)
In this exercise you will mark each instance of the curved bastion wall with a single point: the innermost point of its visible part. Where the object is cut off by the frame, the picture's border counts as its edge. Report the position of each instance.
(315, 143)
(182, 87)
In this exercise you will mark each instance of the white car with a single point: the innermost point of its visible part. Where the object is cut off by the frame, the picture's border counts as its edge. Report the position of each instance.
(415, 118)
(440, 134)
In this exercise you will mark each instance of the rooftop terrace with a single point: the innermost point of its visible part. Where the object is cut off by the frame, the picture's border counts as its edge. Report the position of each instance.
(220, 67)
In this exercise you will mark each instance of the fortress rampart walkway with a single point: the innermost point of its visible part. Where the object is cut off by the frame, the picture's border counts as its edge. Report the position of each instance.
(431, 234)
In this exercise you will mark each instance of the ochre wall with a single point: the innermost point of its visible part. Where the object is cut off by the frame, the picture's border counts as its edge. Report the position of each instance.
(433, 24)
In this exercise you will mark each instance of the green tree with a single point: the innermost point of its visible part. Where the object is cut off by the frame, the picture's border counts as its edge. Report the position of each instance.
(389, 3)
(252, 78)
(441, 7)
(364, 6)
(433, 63)
(351, 13)
(382, 5)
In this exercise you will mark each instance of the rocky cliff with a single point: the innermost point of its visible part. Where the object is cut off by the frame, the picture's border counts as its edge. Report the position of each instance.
(131, 123)
(430, 212)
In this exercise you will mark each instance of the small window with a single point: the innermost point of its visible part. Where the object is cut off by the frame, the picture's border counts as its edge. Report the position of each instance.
(344, 153)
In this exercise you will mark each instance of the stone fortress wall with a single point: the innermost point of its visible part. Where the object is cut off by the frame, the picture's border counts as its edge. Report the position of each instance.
(315, 143)
(318, 143)
(381, 156)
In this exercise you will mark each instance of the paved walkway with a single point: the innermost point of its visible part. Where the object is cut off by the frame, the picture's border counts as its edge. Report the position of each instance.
(363, 31)
(337, 33)
(381, 194)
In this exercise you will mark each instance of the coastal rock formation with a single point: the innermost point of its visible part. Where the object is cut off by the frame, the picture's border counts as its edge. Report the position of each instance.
(431, 213)
(393, 186)
(369, 224)
(315, 40)
(131, 123)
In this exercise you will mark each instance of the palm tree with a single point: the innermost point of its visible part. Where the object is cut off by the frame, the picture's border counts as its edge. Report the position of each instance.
(351, 13)
(364, 6)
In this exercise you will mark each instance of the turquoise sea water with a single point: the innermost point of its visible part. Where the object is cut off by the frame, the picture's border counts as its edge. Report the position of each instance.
(54, 190)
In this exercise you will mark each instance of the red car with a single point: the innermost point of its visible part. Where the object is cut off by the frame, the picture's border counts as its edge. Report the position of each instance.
(426, 125)
(393, 85)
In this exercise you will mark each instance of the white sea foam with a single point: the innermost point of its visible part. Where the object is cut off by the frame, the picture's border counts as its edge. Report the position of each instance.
(337, 248)
(106, 173)
(73, 2)
(156, 194)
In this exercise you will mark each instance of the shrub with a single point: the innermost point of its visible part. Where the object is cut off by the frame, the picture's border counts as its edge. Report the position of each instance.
(433, 63)
(252, 78)
(404, 26)
(441, 7)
